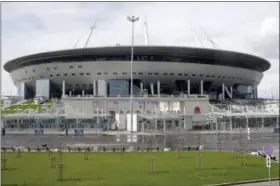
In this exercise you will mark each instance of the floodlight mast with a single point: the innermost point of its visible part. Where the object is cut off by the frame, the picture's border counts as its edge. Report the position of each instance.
(209, 39)
(131, 19)
(90, 33)
(193, 30)
(146, 33)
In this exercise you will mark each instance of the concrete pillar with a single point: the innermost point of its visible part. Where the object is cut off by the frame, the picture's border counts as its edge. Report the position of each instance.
(164, 125)
(143, 126)
(189, 87)
(63, 88)
(201, 87)
(169, 106)
(83, 92)
(152, 88)
(141, 87)
(223, 91)
(185, 122)
(70, 93)
(158, 88)
(230, 123)
(94, 87)
(262, 122)
(247, 122)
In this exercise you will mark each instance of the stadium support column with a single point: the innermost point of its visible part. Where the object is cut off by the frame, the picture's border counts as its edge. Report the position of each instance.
(247, 122)
(185, 122)
(63, 88)
(83, 92)
(262, 122)
(201, 87)
(189, 87)
(94, 87)
(141, 88)
(164, 125)
(223, 91)
(158, 88)
(152, 88)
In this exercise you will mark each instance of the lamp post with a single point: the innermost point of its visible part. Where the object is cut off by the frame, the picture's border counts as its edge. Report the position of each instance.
(132, 19)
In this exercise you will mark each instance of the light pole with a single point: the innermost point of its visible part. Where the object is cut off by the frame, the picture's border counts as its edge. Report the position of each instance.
(132, 19)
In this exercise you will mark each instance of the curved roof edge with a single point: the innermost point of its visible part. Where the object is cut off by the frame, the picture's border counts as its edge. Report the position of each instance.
(228, 57)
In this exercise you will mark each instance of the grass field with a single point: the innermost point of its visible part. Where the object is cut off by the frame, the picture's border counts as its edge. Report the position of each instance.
(24, 106)
(123, 169)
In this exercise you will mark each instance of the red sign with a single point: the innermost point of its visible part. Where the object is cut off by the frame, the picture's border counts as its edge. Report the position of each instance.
(197, 110)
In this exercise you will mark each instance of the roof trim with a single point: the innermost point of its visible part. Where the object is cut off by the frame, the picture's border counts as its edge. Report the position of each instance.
(227, 58)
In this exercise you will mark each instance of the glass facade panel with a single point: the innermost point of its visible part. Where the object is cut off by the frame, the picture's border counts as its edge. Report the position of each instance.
(118, 87)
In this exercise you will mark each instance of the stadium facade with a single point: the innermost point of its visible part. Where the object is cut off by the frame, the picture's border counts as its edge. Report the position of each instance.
(157, 70)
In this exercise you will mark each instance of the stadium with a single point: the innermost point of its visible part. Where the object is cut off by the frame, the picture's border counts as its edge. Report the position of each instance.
(174, 89)
(105, 71)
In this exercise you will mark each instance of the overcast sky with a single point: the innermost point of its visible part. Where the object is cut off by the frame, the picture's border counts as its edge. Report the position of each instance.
(251, 27)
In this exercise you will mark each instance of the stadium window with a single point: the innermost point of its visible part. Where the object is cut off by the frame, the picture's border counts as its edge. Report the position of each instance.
(70, 66)
(140, 73)
(85, 84)
(171, 74)
(124, 73)
(48, 68)
(193, 74)
(224, 77)
(213, 76)
(115, 73)
(201, 75)
(57, 75)
(219, 76)
(165, 74)
(42, 76)
(150, 73)
(65, 74)
(156, 73)
(185, 74)
(81, 74)
(80, 66)
(90, 85)
(179, 74)
(98, 73)
(50, 75)
(73, 74)
(105, 73)
(134, 73)
(88, 74)
(34, 70)
(54, 68)
(77, 85)
(207, 76)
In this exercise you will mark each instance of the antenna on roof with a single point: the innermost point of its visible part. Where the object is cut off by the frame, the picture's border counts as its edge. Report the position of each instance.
(146, 32)
(193, 30)
(209, 39)
(90, 33)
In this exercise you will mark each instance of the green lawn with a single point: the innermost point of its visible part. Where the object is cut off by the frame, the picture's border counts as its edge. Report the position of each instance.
(24, 106)
(117, 169)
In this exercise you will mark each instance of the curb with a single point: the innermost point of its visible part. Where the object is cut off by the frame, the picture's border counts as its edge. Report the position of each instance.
(245, 182)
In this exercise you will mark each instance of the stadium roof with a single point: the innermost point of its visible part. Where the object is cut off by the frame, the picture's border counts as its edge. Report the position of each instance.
(181, 54)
